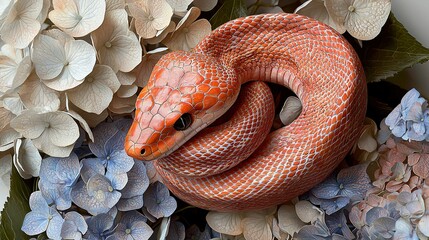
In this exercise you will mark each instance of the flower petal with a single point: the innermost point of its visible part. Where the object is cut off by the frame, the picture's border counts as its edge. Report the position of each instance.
(288, 219)
(49, 57)
(227, 223)
(35, 94)
(28, 158)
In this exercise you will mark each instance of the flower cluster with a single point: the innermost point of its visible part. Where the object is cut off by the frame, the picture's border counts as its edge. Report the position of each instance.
(361, 18)
(102, 180)
(410, 119)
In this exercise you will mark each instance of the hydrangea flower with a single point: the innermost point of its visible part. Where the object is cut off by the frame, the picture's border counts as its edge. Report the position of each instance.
(132, 193)
(318, 230)
(57, 177)
(336, 192)
(410, 119)
(109, 146)
(100, 226)
(98, 195)
(42, 218)
(132, 226)
(78, 18)
(158, 201)
(74, 226)
(337, 224)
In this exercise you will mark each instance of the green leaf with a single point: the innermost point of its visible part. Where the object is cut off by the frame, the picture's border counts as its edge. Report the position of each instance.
(391, 52)
(15, 208)
(230, 9)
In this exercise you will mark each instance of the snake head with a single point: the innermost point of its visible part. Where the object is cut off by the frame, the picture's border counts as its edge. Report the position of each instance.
(185, 93)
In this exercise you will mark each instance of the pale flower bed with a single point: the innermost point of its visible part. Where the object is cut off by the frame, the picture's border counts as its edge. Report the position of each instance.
(68, 65)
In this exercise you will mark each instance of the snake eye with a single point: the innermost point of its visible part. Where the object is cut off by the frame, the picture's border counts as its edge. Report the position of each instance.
(183, 122)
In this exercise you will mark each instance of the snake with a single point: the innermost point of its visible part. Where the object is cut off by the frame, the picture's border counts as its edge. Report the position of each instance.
(240, 164)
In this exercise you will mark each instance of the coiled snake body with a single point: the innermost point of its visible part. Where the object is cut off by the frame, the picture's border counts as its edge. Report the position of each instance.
(235, 166)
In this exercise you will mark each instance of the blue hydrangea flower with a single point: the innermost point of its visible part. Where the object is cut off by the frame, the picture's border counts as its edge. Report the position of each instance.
(404, 230)
(74, 226)
(99, 227)
(176, 230)
(382, 228)
(158, 201)
(109, 146)
(57, 177)
(337, 223)
(132, 226)
(349, 185)
(42, 218)
(409, 120)
(352, 182)
(132, 193)
(96, 196)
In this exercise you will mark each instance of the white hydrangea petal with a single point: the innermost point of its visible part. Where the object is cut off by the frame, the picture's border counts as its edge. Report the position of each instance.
(116, 46)
(91, 119)
(162, 13)
(48, 57)
(257, 227)
(338, 9)
(190, 16)
(45, 145)
(82, 123)
(316, 9)
(160, 35)
(44, 12)
(307, 212)
(126, 91)
(96, 92)
(179, 5)
(423, 225)
(187, 38)
(5, 117)
(62, 129)
(125, 78)
(30, 124)
(59, 35)
(13, 73)
(21, 25)
(81, 58)
(227, 223)
(114, 4)
(35, 94)
(78, 18)
(122, 105)
(290, 110)
(369, 16)
(5, 7)
(205, 5)
(288, 219)
(64, 81)
(28, 158)
(7, 137)
(150, 16)
(14, 104)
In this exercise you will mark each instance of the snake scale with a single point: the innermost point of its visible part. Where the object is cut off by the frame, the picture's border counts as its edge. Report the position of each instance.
(239, 165)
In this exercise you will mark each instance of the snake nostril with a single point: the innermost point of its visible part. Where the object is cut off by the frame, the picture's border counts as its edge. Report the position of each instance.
(142, 151)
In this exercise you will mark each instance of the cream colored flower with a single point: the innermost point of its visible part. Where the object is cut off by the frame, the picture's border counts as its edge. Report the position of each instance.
(15, 66)
(289, 221)
(21, 24)
(150, 16)
(114, 4)
(365, 150)
(54, 133)
(91, 119)
(116, 46)
(179, 6)
(160, 35)
(36, 95)
(96, 92)
(205, 5)
(62, 66)
(5, 171)
(254, 225)
(7, 134)
(290, 111)
(78, 17)
(188, 32)
(124, 100)
(27, 158)
(5, 6)
(363, 19)
(316, 9)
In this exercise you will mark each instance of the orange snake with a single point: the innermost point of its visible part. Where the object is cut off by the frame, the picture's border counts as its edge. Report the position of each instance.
(236, 165)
